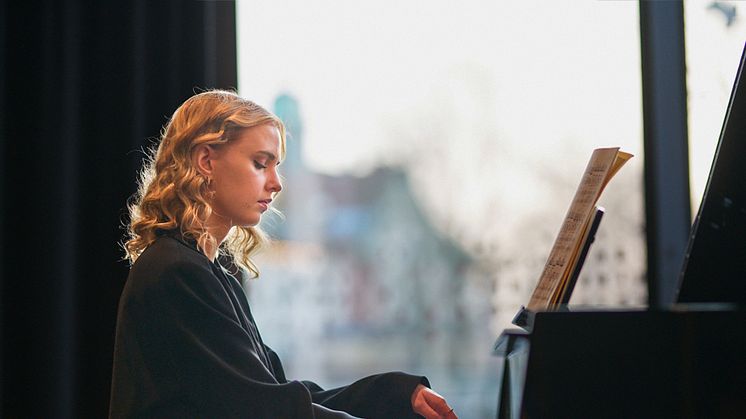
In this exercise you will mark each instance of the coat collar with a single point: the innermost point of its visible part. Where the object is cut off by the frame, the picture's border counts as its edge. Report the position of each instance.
(177, 235)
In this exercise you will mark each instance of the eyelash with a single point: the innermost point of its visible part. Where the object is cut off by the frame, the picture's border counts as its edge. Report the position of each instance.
(259, 165)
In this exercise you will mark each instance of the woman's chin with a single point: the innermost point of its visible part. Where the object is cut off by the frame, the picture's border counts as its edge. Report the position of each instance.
(250, 222)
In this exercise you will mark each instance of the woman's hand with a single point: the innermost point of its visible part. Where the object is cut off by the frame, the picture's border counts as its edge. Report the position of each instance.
(430, 404)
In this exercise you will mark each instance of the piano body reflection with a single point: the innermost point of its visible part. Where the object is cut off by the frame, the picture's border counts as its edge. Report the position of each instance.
(688, 361)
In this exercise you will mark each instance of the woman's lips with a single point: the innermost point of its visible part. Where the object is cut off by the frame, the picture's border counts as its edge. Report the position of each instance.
(264, 203)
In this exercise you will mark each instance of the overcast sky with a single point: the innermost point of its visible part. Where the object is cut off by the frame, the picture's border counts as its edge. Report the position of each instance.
(523, 87)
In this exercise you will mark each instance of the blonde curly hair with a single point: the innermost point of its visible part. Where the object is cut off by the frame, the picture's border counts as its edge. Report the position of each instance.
(172, 194)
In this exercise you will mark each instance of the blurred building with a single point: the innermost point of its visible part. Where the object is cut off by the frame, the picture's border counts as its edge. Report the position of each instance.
(357, 266)
(358, 280)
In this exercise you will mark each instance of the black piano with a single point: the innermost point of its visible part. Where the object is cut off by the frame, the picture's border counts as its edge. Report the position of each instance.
(687, 361)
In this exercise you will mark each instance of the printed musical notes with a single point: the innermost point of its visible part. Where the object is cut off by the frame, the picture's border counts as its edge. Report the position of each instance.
(603, 165)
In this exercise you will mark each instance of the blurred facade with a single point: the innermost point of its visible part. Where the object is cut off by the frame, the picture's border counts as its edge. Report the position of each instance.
(359, 280)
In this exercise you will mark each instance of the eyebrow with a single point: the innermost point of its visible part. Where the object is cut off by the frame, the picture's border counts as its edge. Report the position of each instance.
(269, 155)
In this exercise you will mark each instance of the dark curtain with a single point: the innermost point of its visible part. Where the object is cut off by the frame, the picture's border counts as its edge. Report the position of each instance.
(85, 86)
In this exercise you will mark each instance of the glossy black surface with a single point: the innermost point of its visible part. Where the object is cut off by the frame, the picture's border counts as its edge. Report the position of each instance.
(715, 265)
(684, 363)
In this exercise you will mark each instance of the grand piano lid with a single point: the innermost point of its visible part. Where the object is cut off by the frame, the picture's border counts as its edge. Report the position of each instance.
(714, 268)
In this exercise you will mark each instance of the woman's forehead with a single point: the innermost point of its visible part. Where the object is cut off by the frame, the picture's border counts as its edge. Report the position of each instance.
(260, 139)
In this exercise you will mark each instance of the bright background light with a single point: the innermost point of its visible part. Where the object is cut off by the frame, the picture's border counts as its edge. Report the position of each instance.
(490, 110)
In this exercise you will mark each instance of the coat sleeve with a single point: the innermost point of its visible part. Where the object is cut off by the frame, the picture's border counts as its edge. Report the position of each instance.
(378, 396)
(385, 395)
(192, 354)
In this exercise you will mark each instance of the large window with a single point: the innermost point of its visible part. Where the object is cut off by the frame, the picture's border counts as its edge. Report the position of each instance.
(435, 147)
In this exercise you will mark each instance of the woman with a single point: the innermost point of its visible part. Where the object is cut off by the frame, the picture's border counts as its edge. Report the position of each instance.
(186, 343)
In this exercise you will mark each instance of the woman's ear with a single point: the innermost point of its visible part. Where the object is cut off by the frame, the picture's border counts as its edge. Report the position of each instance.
(202, 159)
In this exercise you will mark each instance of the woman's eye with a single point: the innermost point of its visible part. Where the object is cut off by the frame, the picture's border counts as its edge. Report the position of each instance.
(259, 165)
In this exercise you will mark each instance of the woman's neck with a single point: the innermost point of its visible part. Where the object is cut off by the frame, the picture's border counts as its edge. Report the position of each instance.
(210, 247)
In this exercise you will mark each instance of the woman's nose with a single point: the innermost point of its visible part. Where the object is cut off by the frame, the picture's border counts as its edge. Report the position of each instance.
(274, 183)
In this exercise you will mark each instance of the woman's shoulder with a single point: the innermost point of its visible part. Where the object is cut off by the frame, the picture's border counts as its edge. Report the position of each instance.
(167, 250)
(167, 259)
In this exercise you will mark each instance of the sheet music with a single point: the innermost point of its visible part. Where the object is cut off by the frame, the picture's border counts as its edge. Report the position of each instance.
(604, 163)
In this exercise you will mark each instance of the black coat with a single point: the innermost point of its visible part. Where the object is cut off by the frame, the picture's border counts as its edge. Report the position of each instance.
(187, 346)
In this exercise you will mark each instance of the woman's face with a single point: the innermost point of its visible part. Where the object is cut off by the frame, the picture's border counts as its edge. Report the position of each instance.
(244, 176)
